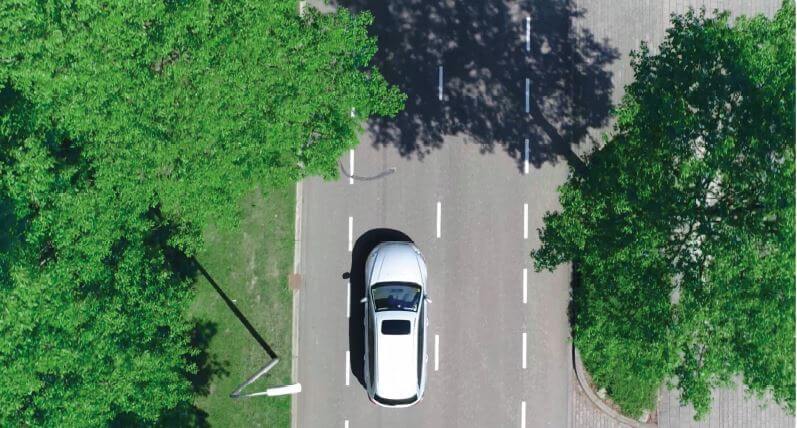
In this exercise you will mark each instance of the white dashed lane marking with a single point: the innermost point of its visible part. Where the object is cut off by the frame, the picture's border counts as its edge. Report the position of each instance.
(351, 230)
(351, 161)
(440, 83)
(436, 352)
(348, 368)
(439, 219)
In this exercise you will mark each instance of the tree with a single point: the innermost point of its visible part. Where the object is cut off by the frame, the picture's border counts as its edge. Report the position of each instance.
(681, 228)
(125, 130)
(187, 105)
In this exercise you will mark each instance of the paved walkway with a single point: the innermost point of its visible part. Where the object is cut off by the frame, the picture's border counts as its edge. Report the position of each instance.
(585, 414)
(731, 408)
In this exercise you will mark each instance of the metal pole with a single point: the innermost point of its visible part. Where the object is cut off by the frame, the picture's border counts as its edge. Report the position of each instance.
(254, 377)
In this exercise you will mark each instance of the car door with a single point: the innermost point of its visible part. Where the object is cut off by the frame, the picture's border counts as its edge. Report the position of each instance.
(368, 358)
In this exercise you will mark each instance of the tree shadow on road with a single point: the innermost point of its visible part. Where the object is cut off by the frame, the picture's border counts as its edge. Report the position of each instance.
(356, 275)
(482, 47)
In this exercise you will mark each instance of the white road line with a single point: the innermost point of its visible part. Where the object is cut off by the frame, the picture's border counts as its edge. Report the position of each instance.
(348, 297)
(436, 352)
(351, 226)
(348, 369)
(346, 423)
(526, 158)
(525, 223)
(524, 351)
(528, 83)
(351, 164)
(438, 219)
(528, 34)
(522, 414)
(440, 83)
(525, 285)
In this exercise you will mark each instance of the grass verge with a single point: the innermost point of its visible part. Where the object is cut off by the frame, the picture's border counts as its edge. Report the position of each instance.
(251, 265)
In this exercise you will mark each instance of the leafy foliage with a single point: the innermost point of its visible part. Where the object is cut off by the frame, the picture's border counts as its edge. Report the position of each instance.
(681, 229)
(125, 129)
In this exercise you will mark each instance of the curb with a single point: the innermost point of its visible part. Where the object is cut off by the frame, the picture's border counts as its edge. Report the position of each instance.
(582, 376)
(297, 253)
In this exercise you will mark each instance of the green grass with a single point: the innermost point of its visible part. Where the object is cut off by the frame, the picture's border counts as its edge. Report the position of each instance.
(251, 265)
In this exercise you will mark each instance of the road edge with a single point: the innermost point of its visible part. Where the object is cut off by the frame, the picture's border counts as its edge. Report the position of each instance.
(581, 378)
(297, 253)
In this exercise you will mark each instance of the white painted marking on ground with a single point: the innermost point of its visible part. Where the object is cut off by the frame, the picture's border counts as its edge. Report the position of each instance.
(351, 166)
(528, 34)
(524, 350)
(526, 158)
(438, 219)
(351, 226)
(440, 83)
(525, 285)
(525, 222)
(436, 352)
(522, 414)
(528, 83)
(346, 423)
(348, 298)
(348, 368)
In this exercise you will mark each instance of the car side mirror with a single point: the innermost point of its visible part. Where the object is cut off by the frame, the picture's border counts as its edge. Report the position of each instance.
(363, 300)
(426, 297)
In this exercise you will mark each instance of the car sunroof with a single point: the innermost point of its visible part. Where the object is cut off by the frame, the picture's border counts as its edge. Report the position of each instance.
(395, 327)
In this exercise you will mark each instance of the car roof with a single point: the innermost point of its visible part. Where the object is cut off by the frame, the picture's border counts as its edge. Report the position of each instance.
(396, 358)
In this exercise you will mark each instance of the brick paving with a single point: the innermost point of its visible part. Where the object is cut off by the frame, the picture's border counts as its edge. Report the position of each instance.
(731, 408)
(584, 414)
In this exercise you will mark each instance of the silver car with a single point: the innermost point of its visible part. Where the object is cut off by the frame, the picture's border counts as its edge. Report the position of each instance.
(395, 324)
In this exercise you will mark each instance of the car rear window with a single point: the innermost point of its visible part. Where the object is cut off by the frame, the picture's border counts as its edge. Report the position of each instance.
(389, 402)
(395, 327)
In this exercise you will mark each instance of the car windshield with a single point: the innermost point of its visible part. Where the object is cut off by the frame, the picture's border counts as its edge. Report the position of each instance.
(396, 296)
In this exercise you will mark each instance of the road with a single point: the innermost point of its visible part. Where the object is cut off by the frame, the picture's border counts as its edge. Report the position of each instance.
(475, 282)
(545, 72)
(467, 153)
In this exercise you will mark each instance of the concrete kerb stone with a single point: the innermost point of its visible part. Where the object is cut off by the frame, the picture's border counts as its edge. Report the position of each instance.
(295, 283)
(583, 381)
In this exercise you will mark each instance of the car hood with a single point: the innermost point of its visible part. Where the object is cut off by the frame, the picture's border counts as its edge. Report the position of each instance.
(397, 262)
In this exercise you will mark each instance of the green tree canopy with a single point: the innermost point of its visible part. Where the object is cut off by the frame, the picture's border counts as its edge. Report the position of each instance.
(125, 128)
(681, 229)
